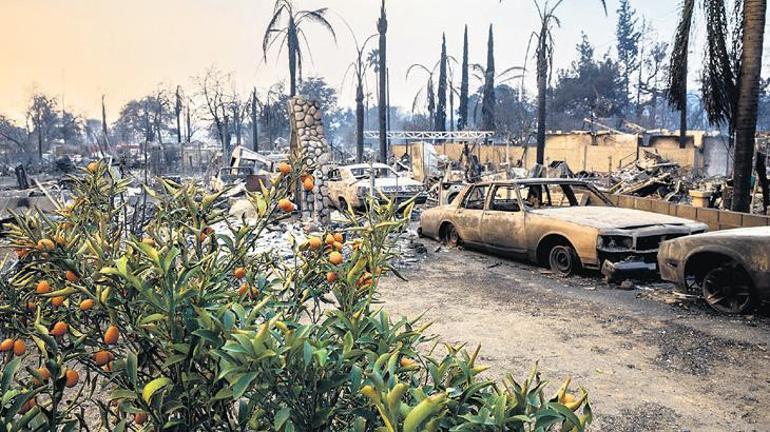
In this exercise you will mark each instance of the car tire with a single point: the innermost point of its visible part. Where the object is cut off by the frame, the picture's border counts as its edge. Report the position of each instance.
(452, 237)
(728, 289)
(563, 260)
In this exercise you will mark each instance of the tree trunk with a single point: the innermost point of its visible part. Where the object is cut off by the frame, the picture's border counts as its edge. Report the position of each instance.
(360, 120)
(292, 42)
(382, 28)
(748, 97)
(542, 75)
(254, 124)
(178, 112)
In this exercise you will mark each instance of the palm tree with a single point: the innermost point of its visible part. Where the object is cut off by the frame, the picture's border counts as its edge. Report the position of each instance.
(731, 75)
(748, 96)
(427, 91)
(289, 34)
(546, 10)
(382, 30)
(359, 67)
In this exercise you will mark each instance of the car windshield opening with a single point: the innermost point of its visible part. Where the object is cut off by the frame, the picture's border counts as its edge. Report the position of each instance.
(360, 173)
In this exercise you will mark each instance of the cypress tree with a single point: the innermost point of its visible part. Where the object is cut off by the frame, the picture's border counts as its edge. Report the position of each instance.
(462, 119)
(488, 104)
(440, 124)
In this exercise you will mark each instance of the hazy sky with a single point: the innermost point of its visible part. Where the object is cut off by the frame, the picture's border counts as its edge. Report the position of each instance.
(82, 49)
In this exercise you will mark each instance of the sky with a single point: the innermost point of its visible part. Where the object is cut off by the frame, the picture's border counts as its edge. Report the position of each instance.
(81, 49)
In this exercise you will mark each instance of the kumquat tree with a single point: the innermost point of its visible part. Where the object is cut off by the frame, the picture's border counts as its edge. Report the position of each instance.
(182, 325)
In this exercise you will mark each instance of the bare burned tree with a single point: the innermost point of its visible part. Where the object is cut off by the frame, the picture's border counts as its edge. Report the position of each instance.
(212, 88)
(41, 116)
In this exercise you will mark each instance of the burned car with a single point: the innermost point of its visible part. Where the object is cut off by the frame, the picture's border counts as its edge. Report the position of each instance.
(731, 268)
(562, 223)
(354, 184)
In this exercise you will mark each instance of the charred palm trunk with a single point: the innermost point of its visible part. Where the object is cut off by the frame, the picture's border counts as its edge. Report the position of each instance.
(748, 97)
(293, 42)
(254, 124)
(360, 120)
(382, 28)
(542, 75)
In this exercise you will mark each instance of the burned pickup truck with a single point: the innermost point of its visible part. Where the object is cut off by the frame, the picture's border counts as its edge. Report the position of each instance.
(731, 268)
(562, 223)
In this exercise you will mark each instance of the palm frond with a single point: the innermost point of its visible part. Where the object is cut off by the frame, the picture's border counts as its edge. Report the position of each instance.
(677, 86)
(318, 16)
(271, 29)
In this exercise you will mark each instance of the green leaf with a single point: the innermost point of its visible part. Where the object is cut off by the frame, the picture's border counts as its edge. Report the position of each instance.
(242, 383)
(132, 368)
(153, 386)
(281, 417)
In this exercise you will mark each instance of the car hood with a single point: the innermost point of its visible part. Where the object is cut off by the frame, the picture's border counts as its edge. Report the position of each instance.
(755, 233)
(607, 218)
(388, 181)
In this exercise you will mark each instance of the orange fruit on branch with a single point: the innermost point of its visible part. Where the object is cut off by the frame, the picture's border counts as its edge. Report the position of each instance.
(86, 304)
(336, 258)
(45, 245)
(6, 345)
(72, 377)
(59, 329)
(71, 276)
(308, 183)
(103, 357)
(284, 168)
(111, 335)
(286, 205)
(239, 273)
(57, 301)
(43, 287)
(314, 243)
(92, 166)
(331, 277)
(19, 347)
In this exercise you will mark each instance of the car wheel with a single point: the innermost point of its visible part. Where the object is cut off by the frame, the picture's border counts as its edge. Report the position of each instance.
(728, 289)
(452, 237)
(563, 260)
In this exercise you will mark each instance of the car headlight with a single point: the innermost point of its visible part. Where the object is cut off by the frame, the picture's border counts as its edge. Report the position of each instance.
(615, 242)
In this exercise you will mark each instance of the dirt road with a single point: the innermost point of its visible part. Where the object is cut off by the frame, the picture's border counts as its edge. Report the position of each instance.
(649, 365)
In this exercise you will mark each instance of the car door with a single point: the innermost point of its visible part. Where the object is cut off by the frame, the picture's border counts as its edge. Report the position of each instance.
(468, 215)
(503, 222)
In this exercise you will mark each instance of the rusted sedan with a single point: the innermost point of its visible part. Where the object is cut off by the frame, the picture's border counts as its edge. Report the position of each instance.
(731, 268)
(562, 223)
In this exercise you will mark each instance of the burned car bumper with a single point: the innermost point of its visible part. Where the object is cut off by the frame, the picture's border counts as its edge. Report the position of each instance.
(634, 253)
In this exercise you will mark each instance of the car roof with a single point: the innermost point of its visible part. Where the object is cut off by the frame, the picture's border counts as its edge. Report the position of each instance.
(526, 181)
